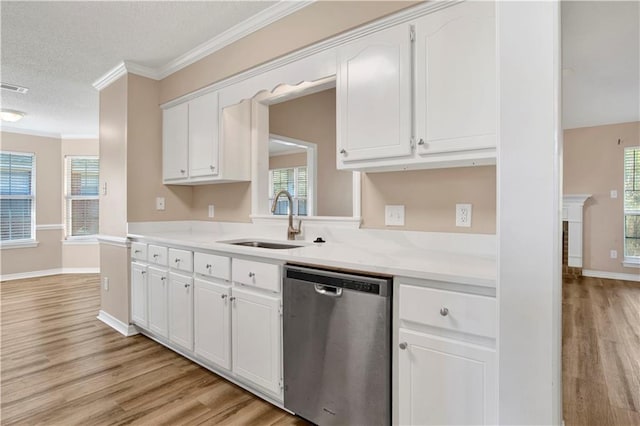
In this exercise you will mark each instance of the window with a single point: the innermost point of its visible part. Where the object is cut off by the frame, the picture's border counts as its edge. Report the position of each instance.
(17, 196)
(294, 180)
(81, 196)
(632, 204)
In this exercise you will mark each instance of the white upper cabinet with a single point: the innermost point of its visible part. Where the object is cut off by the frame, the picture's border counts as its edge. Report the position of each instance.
(456, 79)
(203, 136)
(175, 142)
(203, 144)
(374, 97)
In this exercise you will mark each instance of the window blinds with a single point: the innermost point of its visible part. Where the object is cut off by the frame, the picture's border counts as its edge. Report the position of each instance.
(293, 180)
(632, 202)
(16, 196)
(82, 186)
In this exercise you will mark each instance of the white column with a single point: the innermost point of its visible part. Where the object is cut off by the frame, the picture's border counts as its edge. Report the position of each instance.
(573, 213)
(529, 231)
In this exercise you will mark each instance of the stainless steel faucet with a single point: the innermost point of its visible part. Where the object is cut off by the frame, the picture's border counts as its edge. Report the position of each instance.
(291, 231)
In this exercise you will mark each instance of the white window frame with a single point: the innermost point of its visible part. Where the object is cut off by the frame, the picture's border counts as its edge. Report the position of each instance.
(67, 198)
(24, 242)
(629, 261)
(295, 197)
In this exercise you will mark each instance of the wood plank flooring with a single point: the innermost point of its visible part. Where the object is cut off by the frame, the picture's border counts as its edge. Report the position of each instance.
(61, 366)
(601, 352)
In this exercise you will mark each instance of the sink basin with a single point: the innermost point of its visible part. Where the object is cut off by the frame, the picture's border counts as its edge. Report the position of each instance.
(264, 244)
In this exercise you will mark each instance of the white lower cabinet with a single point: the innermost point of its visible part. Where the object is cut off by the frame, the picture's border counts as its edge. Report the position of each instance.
(158, 301)
(256, 337)
(139, 292)
(212, 327)
(445, 382)
(181, 310)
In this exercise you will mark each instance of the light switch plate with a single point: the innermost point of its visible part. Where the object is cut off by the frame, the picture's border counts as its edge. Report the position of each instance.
(394, 215)
(463, 215)
(159, 203)
(613, 254)
(613, 193)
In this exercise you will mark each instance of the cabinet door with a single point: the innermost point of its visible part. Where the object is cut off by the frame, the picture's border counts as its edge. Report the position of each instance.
(203, 136)
(175, 140)
(445, 382)
(256, 337)
(158, 319)
(456, 98)
(139, 294)
(374, 97)
(212, 328)
(181, 311)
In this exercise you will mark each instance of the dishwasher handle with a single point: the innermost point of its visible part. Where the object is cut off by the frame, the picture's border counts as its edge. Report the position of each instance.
(327, 290)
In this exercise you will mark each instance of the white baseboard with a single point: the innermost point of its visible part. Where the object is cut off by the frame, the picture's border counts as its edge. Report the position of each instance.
(611, 275)
(47, 272)
(116, 324)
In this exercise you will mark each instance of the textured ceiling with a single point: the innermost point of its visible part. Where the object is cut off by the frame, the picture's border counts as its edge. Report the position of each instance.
(58, 49)
(601, 62)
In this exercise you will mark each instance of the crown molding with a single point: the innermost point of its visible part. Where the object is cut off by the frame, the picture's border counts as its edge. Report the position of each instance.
(133, 68)
(110, 76)
(235, 33)
(9, 129)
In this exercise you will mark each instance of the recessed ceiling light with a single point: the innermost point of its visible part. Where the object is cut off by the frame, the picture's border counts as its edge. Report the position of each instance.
(11, 115)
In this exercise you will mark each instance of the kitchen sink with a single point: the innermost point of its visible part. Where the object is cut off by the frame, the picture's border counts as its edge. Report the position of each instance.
(263, 244)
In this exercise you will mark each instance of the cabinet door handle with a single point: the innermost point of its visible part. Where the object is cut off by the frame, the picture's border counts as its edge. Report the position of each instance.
(232, 298)
(182, 171)
(212, 168)
(143, 272)
(403, 345)
(155, 256)
(251, 275)
(224, 296)
(444, 312)
(343, 151)
(421, 141)
(163, 278)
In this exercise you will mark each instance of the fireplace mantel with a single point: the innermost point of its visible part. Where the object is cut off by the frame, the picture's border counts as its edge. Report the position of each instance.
(573, 212)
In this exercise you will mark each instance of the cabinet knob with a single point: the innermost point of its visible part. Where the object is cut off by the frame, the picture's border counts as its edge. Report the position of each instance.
(403, 345)
(137, 251)
(212, 168)
(208, 266)
(182, 171)
(177, 260)
(343, 151)
(187, 285)
(251, 275)
(224, 296)
(421, 142)
(163, 278)
(155, 256)
(143, 272)
(232, 298)
(444, 312)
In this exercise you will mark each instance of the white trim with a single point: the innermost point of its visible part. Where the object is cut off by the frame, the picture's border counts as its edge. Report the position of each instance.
(79, 241)
(48, 272)
(10, 129)
(122, 328)
(611, 275)
(18, 244)
(110, 76)
(50, 227)
(114, 241)
(631, 262)
(235, 33)
(141, 70)
(68, 136)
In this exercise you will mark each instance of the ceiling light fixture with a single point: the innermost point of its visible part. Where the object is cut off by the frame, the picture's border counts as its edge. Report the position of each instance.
(11, 115)
(13, 88)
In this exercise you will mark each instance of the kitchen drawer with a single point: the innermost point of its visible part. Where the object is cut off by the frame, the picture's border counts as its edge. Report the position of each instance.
(256, 274)
(466, 313)
(157, 255)
(181, 260)
(139, 251)
(211, 265)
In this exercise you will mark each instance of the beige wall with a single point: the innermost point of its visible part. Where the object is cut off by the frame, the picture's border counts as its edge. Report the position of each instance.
(287, 160)
(113, 158)
(430, 198)
(593, 164)
(312, 118)
(316, 22)
(115, 265)
(144, 158)
(48, 254)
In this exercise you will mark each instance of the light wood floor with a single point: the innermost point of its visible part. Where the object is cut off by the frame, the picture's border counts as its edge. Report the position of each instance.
(61, 366)
(601, 352)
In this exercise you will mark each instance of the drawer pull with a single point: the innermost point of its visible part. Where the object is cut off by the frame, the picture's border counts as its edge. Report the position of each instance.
(177, 260)
(143, 272)
(155, 256)
(444, 312)
(208, 266)
(163, 278)
(137, 251)
(251, 274)
(403, 345)
(187, 285)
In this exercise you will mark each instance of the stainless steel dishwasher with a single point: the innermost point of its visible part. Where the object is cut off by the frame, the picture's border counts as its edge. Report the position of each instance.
(337, 347)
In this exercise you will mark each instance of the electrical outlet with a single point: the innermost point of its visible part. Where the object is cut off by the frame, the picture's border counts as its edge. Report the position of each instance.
(104, 188)
(394, 215)
(463, 215)
(613, 193)
(105, 283)
(211, 210)
(159, 203)
(613, 254)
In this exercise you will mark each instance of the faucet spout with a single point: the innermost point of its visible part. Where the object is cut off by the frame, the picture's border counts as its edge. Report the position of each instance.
(291, 231)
